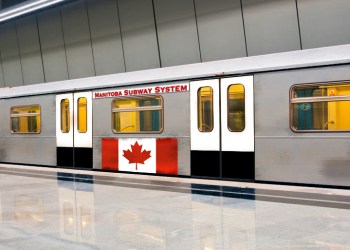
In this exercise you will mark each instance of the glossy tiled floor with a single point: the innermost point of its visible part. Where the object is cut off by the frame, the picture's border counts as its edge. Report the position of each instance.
(46, 208)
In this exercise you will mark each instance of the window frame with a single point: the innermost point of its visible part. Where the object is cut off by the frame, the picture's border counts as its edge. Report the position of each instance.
(60, 116)
(228, 108)
(201, 115)
(139, 97)
(78, 115)
(317, 99)
(18, 115)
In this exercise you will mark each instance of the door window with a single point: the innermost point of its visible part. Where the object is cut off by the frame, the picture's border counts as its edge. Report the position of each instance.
(235, 108)
(205, 109)
(82, 115)
(65, 116)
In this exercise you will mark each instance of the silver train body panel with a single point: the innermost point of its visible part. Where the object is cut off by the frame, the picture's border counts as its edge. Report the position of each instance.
(281, 155)
(38, 149)
(285, 156)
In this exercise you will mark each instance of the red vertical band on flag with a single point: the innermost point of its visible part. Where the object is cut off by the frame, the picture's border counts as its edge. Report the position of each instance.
(110, 154)
(167, 156)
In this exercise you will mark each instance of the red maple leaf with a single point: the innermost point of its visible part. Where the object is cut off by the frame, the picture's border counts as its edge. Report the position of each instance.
(136, 156)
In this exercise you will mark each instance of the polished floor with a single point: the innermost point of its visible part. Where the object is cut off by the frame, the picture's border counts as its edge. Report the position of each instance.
(47, 208)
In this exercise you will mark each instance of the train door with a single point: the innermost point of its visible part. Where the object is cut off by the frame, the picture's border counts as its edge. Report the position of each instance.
(222, 128)
(74, 130)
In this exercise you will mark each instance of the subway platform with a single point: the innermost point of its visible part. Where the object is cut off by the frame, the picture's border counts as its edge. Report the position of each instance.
(51, 208)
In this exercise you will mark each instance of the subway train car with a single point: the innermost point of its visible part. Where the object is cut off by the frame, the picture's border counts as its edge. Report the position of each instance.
(278, 118)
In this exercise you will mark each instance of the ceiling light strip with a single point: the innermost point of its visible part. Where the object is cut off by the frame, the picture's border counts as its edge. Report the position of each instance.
(26, 8)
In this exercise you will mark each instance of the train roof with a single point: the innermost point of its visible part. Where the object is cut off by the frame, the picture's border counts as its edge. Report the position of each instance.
(333, 55)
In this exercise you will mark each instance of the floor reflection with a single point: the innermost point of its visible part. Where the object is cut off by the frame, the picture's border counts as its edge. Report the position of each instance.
(29, 209)
(79, 211)
(77, 207)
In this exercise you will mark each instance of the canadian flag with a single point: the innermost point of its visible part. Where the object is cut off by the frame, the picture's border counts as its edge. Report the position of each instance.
(144, 155)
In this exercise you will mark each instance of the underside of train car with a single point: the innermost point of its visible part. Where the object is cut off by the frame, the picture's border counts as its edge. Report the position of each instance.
(285, 122)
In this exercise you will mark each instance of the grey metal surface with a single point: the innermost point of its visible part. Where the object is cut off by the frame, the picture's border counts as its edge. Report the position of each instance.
(29, 49)
(177, 125)
(106, 37)
(52, 45)
(10, 59)
(320, 161)
(77, 40)
(96, 153)
(177, 32)
(220, 29)
(270, 26)
(284, 156)
(248, 65)
(29, 148)
(26, 150)
(2, 82)
(324, 22)
(138, 34)
(102, 111)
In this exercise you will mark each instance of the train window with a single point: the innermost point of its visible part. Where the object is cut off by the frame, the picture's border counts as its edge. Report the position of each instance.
(65, 116)
(137, 115)
(205, 109)
(82, 115)
(236, 108)
(25, 119)
(320, 107)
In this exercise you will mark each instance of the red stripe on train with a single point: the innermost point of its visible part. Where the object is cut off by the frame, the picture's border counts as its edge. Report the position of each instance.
(110, 154)
(167, 156)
